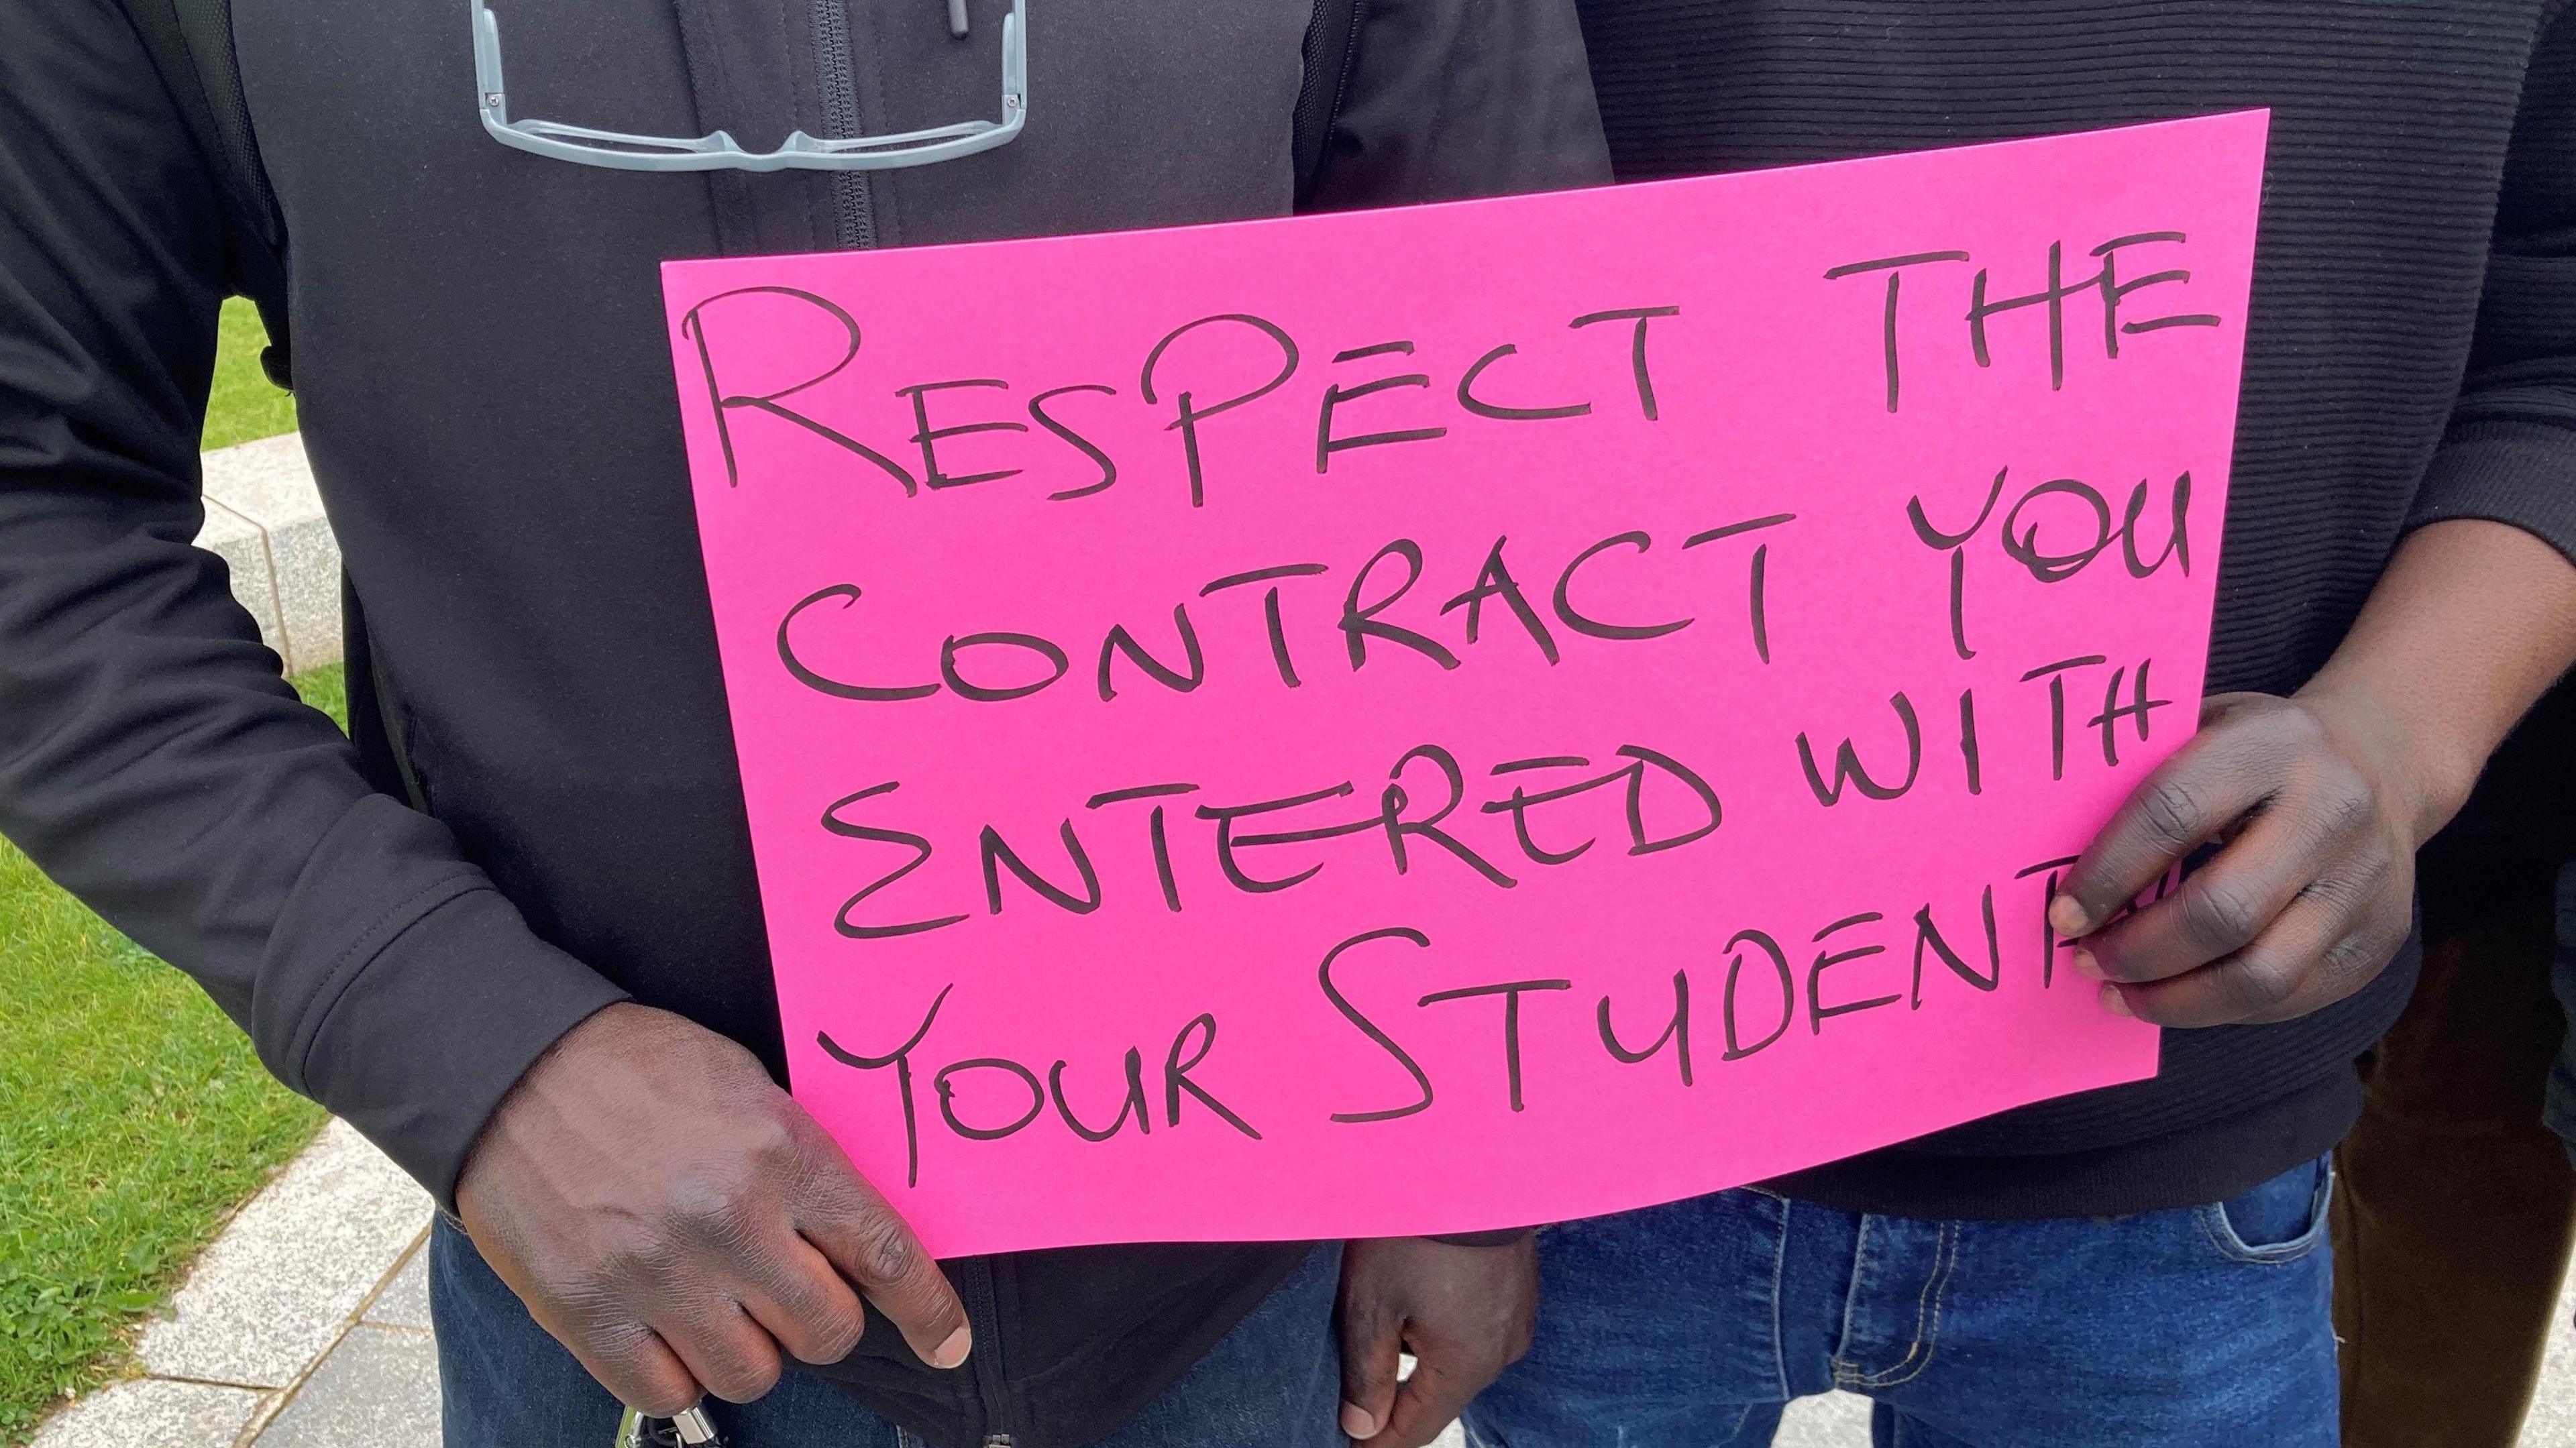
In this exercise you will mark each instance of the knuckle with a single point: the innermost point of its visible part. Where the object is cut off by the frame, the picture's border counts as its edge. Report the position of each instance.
(629, 1257)
(663, 1395)
(2171, 811)
(777, 1272)
(701, 1197)
(620, 1345)
(772, 1137)
(2347, 804)
(2352, 961)
(2263, 981)
(832, 1334)
(2387, 875)
(744, 1380)
(648, 1381)
(818, 1325)
(885, 1251)
(2351, 903)
(715, 1207)
(2333, 893)
(590, 1305)
(736, 1361)
(2298, 724)
(2220, 915)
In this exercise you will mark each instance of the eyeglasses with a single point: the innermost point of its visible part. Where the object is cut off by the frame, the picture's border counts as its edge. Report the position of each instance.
(719, 151)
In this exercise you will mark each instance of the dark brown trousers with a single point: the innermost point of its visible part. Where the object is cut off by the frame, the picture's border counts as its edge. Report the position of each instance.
(2456, 1206)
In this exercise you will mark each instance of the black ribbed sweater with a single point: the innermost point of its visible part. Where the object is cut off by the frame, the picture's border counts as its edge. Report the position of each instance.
(2411, 356)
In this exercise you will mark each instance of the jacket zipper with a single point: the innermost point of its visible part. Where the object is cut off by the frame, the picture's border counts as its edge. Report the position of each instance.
(853, 207)
(855, 225)
(984, 1316)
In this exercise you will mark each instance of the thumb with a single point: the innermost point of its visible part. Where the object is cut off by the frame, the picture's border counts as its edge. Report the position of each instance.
(867, 1240)
(1370, 1344)
(1428, 1402)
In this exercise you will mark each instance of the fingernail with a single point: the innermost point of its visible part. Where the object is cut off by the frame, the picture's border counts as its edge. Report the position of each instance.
(954, 1350)
(2085, 964)
(1356, 1422)
(2066, 917)
(2116, 1003)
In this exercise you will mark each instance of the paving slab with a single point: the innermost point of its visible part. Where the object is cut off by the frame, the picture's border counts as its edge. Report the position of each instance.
(286, 1277)
(152, 1413)
(377, 1389)
(1835, 1420)
(405, 1300)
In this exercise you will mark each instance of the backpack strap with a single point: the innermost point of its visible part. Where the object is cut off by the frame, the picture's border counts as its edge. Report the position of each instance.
(191, 42)
(1332, 47)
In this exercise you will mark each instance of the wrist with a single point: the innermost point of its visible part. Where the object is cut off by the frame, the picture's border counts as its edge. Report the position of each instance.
(2419, 766)
(548, 1089)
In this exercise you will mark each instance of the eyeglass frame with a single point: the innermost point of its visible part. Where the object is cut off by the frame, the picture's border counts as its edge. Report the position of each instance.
(718, 151)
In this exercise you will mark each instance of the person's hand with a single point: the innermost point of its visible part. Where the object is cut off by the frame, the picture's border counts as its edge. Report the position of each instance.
(1466, 1313)
(2320, 811)
(673, 1218)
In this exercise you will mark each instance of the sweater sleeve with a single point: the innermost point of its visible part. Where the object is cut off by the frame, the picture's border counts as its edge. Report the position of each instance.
(152, 759)
(2509, 454)
(1446, 99)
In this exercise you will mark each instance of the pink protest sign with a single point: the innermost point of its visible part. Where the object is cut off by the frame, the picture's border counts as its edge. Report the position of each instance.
(1470, 715)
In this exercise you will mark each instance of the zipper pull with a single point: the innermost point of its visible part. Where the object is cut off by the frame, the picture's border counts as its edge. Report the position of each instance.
(957, 27)
(996, 1440)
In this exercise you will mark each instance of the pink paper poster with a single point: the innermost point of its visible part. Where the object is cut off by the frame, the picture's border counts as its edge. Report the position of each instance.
(1446, 718)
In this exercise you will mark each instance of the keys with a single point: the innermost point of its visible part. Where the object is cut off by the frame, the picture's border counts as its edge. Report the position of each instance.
(689, 1430)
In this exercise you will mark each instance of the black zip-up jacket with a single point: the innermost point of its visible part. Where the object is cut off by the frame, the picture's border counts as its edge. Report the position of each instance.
(489, 408)
(2410, 355)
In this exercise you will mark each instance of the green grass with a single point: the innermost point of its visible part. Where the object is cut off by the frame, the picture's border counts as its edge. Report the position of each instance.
(133, 1119)
(245, 404)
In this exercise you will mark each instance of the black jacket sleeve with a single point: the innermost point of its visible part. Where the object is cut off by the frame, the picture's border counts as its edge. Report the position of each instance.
(151, 758)
(1446, 99)
(2510, 452)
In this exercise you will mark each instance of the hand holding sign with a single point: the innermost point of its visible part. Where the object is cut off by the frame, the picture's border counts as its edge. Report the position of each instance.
(677, 1223)
(2311, 896)
(1465, 1312)
(1586, 696)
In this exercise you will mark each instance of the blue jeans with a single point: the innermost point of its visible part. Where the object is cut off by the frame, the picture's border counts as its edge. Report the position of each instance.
(1275, 1381)
(1691, 1325)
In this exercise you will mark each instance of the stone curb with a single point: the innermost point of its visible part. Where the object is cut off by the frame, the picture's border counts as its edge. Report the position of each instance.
(264, 518)
(292, 1270)
(325, 1254)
